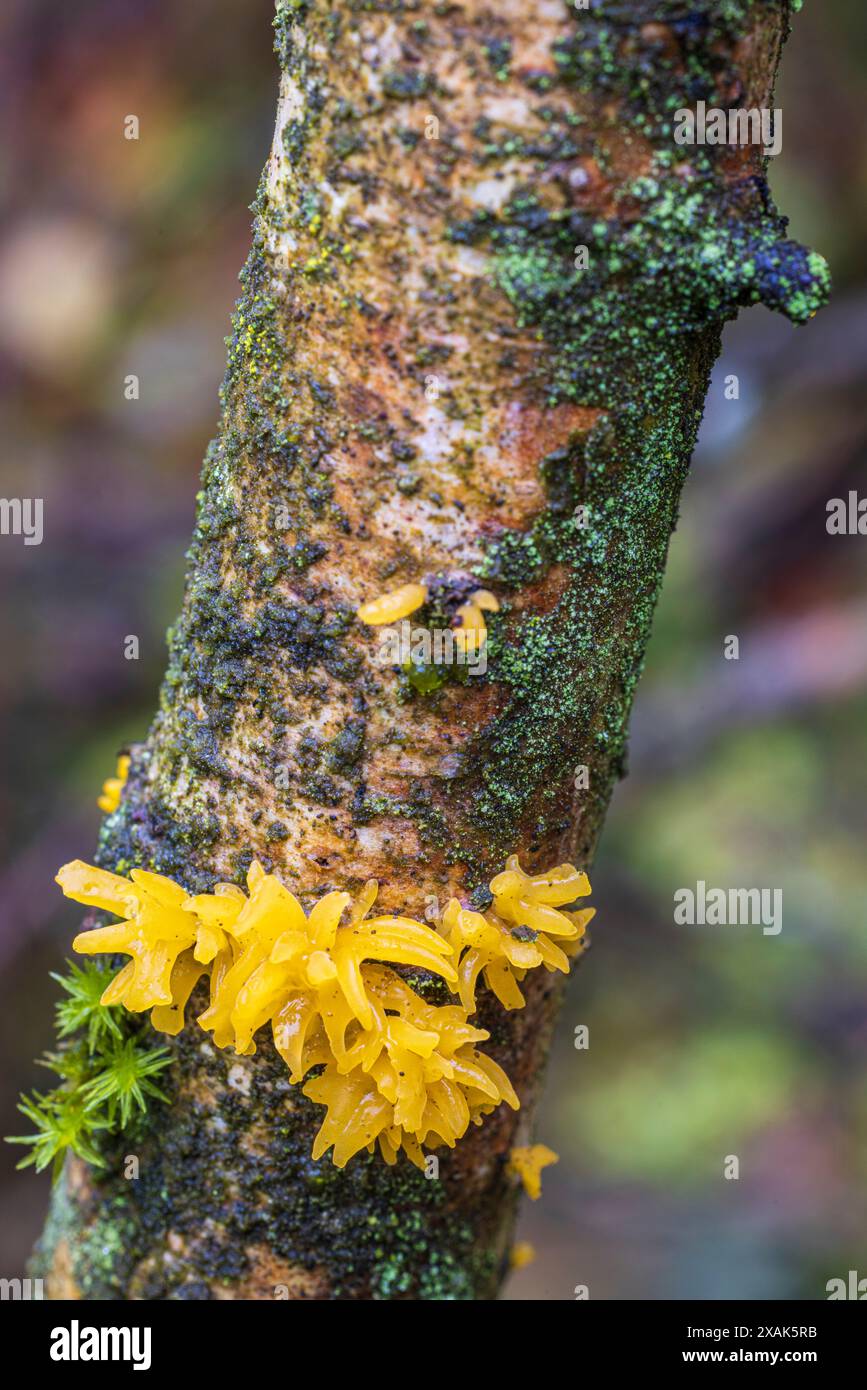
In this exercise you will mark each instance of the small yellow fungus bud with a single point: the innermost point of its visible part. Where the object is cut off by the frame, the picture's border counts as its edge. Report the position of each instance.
(390, 608)
(473, 633)
(523, 1253)
(112, 787)
(527, 1164)
(484, 599)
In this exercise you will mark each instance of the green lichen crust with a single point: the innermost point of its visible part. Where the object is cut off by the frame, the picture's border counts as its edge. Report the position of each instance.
(475, 333)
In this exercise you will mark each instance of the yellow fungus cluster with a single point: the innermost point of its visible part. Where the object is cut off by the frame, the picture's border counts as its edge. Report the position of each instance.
(398, 1071)
(113, 786)
(400, 603)
(525, 926)
(416, 1077)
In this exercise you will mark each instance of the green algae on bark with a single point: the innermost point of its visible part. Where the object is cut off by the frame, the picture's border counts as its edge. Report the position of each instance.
(475, 332)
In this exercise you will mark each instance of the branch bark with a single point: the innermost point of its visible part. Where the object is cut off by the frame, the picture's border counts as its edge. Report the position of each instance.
(421, 383)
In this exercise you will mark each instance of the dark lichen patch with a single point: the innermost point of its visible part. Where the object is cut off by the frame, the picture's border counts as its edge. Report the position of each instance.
(144, 833)
(222, 657)
(406, 83)
(288, 15)
(418, 806)
(322, 790)
(498, 51)
(276, 831)
(347, 748)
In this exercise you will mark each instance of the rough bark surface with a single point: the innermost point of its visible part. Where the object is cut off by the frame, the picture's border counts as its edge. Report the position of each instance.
(421, 383)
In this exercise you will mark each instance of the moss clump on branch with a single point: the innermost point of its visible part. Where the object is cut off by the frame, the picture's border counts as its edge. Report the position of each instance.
(107, 1064)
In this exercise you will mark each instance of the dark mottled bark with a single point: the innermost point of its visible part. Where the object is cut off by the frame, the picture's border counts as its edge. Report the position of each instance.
(422, 383)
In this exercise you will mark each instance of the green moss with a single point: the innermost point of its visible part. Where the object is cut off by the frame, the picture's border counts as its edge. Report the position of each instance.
(517, 558)
(106, 1061)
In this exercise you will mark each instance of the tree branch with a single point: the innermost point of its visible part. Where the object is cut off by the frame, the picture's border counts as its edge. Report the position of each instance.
(426, 382)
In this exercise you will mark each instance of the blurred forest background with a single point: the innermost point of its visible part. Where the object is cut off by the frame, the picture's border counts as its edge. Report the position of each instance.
(119, 256)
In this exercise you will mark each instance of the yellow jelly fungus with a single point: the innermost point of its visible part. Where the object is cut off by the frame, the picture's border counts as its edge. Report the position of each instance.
(484, 599)
(390, 608)
(527, 1164)
(472, 634)
(525, 926)
(416, 1077)
(154, 932)
(113, 786)
(307, 965)
(398, 1072)
(523, 1253)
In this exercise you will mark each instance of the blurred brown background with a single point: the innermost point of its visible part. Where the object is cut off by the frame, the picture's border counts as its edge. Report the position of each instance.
(121, 257)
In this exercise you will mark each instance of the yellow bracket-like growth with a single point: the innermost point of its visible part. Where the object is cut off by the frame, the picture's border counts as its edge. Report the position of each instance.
(397, 1071)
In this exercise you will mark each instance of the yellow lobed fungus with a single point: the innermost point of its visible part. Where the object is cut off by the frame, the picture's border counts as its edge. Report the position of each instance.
(112, 787)
(472, 634)
(528, 924)
(390, 608)
(155, 931)
(415, 1078)
(284, 955)
(398, 1072)
(527, 1164)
